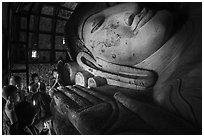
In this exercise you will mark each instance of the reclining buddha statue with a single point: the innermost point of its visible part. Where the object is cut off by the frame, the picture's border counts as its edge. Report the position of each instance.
(140, 70)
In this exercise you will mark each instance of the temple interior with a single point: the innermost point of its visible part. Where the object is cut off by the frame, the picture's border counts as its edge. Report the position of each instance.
(102, 68)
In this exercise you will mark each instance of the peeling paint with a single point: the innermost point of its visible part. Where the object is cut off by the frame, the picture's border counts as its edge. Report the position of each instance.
(113, 56)
(114, 26)
(102, 50)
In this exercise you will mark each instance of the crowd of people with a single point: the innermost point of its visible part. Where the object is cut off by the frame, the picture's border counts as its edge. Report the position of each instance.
(27, 112)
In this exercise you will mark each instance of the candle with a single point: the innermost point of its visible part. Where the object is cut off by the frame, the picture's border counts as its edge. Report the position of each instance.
(45, 125)
(34, 102)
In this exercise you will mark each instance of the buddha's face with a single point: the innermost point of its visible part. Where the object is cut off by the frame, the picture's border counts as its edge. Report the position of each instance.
(127, 33)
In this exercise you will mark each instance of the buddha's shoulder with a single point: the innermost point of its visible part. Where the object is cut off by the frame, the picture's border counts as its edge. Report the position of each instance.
(186, 80)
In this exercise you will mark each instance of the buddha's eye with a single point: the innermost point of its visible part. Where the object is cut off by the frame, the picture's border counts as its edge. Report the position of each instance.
(97, 23)
(130, 19)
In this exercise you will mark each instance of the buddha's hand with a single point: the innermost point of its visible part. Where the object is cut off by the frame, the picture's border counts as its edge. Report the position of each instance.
(161, 120)
(89, 111)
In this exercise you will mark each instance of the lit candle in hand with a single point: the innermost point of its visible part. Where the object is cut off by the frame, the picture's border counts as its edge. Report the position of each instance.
(34, 102)
(38, 85)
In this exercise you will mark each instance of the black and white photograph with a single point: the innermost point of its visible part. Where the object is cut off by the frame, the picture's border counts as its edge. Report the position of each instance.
(101, 68)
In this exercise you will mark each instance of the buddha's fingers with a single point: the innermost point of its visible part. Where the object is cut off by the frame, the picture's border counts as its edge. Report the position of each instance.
(81, 102)
(89, 111)
(84, 94)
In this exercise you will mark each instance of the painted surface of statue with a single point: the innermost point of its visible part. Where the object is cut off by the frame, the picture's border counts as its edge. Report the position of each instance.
(151, 58)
